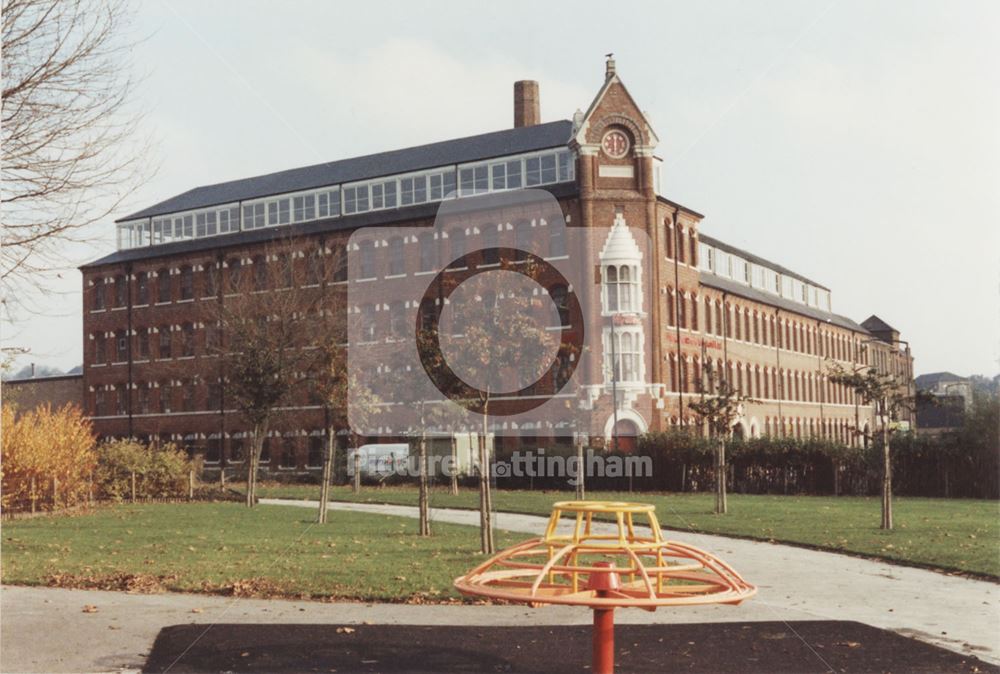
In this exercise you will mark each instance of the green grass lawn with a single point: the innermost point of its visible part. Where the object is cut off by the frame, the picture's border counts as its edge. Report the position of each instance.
(951, 534)
(224, 547)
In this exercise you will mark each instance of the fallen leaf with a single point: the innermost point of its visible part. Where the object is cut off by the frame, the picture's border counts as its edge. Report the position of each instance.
(90, 608)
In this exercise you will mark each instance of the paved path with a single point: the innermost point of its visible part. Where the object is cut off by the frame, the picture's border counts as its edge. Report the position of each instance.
(957, 613)
(46, 629)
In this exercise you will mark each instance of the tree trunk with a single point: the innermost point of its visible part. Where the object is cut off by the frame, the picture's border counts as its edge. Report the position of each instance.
(256, 448)
(424, 500)
(454, 465)
(485, 499)
(886, 474)
(324, 491)
(356, 477)
(721, 506)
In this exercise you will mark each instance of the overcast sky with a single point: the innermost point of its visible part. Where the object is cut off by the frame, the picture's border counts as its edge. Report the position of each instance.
(854, 142)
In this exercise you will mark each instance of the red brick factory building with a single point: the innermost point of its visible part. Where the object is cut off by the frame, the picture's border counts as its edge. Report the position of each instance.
(148, 371)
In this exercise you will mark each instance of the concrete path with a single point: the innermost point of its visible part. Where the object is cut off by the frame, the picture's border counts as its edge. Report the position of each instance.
(47, 629)
(957, 613)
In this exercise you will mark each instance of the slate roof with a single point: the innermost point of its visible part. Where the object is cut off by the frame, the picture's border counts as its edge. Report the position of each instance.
(730, 286)
(876, 324)
(932, 379)
(756, 259)
(455, 151)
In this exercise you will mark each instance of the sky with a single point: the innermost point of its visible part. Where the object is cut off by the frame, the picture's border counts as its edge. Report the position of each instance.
(856, 143)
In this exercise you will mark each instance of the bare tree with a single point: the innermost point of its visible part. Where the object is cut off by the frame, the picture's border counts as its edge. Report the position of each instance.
(333, 384)
(718, 408)
(71, 151)
(269, 326)
(886, 393)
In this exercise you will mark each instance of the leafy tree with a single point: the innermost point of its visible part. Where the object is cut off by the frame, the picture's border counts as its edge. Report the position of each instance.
(501, 340)
(889, 395)
(718, 408)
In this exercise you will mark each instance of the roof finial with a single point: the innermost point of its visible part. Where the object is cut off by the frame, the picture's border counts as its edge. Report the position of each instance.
(609, 66)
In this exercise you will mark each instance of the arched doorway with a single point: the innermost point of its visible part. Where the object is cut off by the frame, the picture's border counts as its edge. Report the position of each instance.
(737, 431)
(626, 432)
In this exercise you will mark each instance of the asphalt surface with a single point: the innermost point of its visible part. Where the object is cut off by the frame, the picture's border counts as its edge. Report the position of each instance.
(822, 602)
(714, 648)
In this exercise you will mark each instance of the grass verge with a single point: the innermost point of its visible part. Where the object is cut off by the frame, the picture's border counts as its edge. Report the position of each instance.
(949, 534)
(224, 548)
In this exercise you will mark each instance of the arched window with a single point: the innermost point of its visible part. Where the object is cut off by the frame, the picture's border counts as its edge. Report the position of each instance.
(560, 297)
(456, 240)
(709, 329)
(611, 289)
(625, 289)
(719, 320)
(428, 252)
(557, 239)
(681, 309)
(670, 307)
(681, 236)
(187, 283)
(397, 263)
(259, 273)
(694, 311)
(397, 319)
(367, 322)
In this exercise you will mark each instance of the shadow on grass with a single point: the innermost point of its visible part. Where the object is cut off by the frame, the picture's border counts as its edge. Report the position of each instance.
(759, 647)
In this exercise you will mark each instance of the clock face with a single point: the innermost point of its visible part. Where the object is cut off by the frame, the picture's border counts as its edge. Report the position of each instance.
(615, 144)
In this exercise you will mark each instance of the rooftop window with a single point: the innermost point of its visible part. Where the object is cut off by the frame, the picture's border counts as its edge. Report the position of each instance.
(505, 173)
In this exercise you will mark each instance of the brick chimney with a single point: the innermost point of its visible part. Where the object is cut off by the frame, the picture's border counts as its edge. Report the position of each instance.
(527, 107)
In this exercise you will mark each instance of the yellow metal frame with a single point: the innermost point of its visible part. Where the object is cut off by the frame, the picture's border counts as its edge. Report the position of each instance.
(554, 569)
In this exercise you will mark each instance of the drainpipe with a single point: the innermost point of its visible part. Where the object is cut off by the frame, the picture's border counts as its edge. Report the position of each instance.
(778, 343)
(677, 323)
(128, 343)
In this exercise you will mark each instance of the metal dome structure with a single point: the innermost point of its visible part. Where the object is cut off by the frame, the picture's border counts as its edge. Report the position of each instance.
(605, 567)
(654, 571)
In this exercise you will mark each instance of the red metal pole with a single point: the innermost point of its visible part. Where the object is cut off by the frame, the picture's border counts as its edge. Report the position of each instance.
(604, 640)
(603, 582)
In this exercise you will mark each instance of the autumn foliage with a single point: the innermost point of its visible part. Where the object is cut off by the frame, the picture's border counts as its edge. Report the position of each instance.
(47, 455)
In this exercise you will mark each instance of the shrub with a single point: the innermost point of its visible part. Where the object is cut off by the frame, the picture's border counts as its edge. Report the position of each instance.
(42, 446)
(160, 471)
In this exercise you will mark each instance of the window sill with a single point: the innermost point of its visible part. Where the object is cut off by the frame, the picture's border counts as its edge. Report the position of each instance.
(189, 299)
(395, 276)
(160, 304)
(424, 273)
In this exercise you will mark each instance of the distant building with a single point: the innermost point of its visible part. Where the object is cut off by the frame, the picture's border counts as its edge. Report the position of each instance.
(57, 390)
(952, 399)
